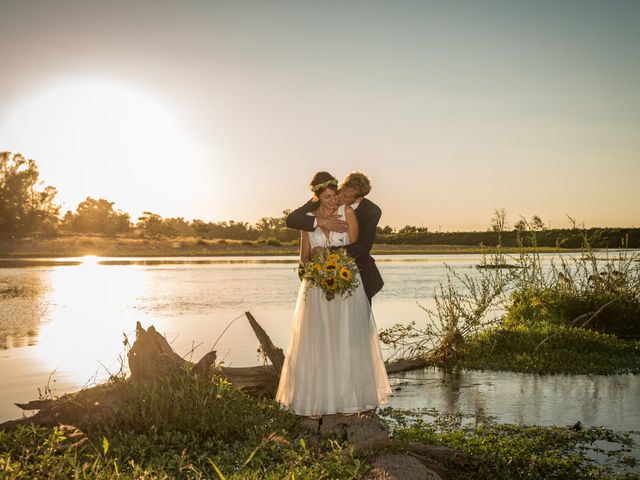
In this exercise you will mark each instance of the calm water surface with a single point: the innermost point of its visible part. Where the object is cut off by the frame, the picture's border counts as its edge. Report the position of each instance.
(69, 316)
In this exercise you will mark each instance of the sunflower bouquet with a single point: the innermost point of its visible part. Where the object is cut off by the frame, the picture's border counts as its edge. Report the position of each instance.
(332, 271)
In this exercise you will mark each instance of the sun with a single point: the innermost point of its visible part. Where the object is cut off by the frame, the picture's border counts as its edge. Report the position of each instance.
(100, 138)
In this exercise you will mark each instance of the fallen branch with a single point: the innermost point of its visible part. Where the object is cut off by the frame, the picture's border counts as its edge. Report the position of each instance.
(273, 353)
(151, 357)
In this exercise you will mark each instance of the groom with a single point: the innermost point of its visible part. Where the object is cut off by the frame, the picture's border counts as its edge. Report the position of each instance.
(352, 192)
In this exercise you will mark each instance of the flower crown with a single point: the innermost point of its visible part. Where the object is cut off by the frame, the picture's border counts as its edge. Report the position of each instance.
(322, 186)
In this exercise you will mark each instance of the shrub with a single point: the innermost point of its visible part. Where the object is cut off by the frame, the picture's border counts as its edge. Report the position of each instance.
(618, 310)
(550, 348)
(272, 242)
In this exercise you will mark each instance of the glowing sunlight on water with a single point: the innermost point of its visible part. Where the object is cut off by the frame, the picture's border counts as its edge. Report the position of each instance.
(89, 311)
(90, 260)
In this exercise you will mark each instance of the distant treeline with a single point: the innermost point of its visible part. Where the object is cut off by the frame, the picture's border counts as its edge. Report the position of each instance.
(27, 208)
(564, 238)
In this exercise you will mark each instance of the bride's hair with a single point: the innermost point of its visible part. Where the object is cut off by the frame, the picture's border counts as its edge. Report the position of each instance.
(321, 181)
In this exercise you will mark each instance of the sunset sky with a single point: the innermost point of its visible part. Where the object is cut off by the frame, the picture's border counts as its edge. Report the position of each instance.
(224, 110)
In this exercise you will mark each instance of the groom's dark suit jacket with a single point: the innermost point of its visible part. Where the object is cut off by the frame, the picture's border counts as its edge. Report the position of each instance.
(368, 215)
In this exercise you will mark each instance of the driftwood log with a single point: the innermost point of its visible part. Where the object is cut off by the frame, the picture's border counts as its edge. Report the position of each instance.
(151, 357)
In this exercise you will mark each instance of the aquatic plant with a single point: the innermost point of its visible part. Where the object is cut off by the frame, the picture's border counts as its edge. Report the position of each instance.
(514, 451)
(598, 291)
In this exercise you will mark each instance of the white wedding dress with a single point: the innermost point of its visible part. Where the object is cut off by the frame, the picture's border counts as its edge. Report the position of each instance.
(333, 362)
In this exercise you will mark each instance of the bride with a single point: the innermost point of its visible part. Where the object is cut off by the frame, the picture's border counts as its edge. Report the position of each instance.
(333, 363)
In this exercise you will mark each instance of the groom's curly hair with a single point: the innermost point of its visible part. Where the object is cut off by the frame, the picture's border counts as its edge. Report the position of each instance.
(359, 182)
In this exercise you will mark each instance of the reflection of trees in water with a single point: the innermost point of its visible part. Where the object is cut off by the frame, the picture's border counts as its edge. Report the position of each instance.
(21, 308)
(455, 400)
(452, 379)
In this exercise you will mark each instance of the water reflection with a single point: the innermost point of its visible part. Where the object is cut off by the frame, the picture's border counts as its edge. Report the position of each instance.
(458, 260)
(89, 309)
(22, 308)
(609, 400)
(123, 261)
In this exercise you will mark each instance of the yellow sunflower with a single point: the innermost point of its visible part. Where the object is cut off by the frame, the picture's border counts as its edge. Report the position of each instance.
(333, 257)
(330, 266)
(329, 283)
(345, 274)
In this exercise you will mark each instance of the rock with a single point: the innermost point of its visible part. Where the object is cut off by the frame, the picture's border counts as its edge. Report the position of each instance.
(308, 426)
(363, 431)
(396, 466)
(441, 454)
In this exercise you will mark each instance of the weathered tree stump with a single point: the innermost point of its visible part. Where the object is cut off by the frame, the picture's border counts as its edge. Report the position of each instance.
(151, 357)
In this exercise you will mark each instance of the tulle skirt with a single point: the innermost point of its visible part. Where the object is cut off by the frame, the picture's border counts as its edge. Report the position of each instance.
(333, 362)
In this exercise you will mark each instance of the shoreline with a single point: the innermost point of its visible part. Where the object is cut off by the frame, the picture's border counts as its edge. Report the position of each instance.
(122, 247)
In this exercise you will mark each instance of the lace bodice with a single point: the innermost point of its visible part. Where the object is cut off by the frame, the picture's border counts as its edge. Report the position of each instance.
(317, 238)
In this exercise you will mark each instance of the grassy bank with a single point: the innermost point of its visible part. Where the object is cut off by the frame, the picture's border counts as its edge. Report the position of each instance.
(78, 246)
(549, 348)
(199, 428)
(575, 315)
(186, 427)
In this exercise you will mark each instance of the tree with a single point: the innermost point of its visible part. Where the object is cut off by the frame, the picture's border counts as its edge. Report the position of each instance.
(227, 230)
(276, 227)
(24, 207)
(499, 220)
(413, 229)
(499, 223)
(150, 223)
(386, 230)
(153, 224)
(177, 226)
(521, 225)
(537, 224)
(98, 217)
(199, 228)
(235, 230)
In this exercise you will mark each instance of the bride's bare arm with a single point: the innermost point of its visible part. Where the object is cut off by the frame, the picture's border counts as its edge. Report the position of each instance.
(352, 221)
(305, 247)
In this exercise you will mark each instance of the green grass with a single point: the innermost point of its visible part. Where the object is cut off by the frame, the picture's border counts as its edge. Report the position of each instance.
(189, 427)
(196, 428)
(560, 349)
(184, 427)
(127, 246)
(512, 452)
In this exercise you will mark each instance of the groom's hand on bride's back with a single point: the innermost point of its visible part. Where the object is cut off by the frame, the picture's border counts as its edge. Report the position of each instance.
(333, 223)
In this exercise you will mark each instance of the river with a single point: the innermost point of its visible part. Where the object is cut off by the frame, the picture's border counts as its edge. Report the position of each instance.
(63, 322)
